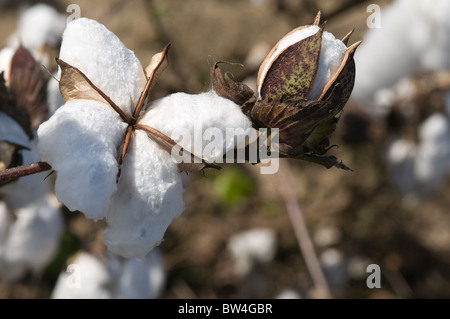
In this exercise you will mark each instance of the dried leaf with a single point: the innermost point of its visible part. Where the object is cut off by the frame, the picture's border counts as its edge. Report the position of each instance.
(75, 85)
(158, 63)
(226, 87)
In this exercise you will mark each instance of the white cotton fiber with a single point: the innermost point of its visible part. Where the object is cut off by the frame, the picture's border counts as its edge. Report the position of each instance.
(80, 142)
(149, 197)
(32, 239)
(199, 123)
(102, 57)
(331, 55)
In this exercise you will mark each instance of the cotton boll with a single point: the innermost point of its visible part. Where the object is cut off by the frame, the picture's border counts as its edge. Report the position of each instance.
(142, 278)
(11, 131)
(88, 278)
(149, 197)
(248, 247)
(39, 25)
(102, 57)
(80, 142)
(32, 239)
(204, 124)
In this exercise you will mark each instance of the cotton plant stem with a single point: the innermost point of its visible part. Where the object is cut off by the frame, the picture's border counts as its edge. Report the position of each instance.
(294, 210)
(11, 174)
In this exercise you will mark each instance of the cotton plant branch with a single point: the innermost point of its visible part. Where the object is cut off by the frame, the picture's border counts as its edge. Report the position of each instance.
(12, 174)
(287, 193)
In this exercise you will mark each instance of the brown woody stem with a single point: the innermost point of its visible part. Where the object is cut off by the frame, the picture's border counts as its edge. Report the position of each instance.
(11, 174)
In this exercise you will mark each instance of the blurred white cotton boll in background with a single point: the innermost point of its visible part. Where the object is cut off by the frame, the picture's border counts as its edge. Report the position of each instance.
(87, 278)
(433, 153)
(39, 26)
(250, 247)
(31, 239)
(109, 276)
(142, 278)
(414, 35)
(421, 168)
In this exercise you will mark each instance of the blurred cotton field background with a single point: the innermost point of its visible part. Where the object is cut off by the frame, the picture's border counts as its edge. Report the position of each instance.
(235, 238)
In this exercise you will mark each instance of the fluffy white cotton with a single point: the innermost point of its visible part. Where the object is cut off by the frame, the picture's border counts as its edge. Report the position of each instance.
(204, 124)
(414, 35)
(248, 247)
(150, 196)
(109, 276)
(102, 57)
(31, 239)
(331, 55)
(80, 142)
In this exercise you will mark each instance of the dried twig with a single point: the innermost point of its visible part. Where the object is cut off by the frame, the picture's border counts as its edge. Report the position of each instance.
(11, 174)
(301, 232)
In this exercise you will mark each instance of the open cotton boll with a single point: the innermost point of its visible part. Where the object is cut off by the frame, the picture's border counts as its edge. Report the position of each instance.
(195, 121)
(331, 55)
(32, 240)
(104, 59)
(149, 197)
(80, 142)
